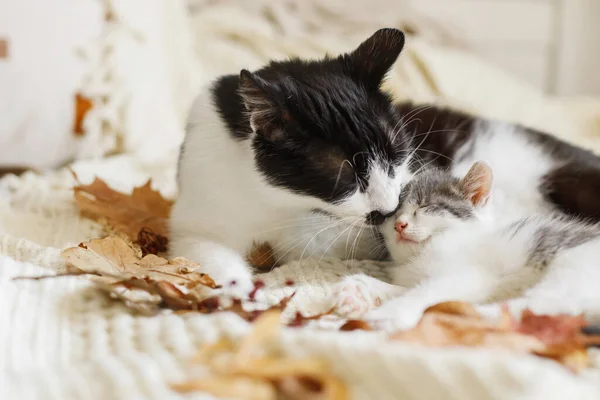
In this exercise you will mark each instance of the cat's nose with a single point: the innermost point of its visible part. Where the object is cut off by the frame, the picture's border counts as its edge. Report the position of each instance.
(400, 226)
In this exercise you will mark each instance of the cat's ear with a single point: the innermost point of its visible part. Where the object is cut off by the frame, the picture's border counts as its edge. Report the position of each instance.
(374, 57)
(259, 97)
(477, 183)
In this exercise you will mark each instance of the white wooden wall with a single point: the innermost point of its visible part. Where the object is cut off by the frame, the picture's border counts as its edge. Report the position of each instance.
(552, 44)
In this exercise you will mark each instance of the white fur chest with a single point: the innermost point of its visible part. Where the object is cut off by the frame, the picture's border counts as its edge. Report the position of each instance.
(222, 195)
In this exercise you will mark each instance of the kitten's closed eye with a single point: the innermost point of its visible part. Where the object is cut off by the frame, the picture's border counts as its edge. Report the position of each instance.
(433, 208)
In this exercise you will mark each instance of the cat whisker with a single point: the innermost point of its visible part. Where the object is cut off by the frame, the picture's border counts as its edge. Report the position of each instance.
(410, 117)
(354, 245)
(304, 237)
(315, 236)
(308, 221)
(337, 179)
(327, 249)
(437, 154)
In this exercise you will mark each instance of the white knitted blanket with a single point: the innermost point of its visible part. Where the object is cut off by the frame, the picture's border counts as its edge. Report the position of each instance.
(60, 339)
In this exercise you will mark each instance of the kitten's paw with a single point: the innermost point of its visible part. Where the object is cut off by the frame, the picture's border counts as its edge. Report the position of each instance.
(395, 315)
(352, 297)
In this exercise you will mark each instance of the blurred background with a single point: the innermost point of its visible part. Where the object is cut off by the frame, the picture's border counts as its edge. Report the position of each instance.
(83, 79)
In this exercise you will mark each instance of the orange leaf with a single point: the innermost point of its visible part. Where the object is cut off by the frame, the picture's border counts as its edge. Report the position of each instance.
(454, 307)
(145, 209)
(82, 106)
(256, 365)
(356, 325)
(553, 330)
(443, 330)
(114, 260)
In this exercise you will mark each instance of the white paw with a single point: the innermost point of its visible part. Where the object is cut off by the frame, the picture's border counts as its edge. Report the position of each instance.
(242, 288)
(396, 315)
(352, 297)
(225, 266)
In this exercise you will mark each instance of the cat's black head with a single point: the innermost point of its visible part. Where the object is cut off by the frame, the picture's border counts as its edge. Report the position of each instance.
(324, 128)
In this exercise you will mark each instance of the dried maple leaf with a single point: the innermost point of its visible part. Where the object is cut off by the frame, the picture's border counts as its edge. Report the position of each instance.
(558, 337)
(553, 330)
(142, 217)
(562, 334)
(443, 330)
(459, 324)
(115, 260)
(3, 48)
(145, 209)
(307, 388)
(356, 325)
(82, 106)
(455, 308)
(254, 362)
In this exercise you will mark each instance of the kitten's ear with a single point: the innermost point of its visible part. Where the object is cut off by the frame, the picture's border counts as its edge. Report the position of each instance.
(266, 116)
(477, 184)
(374, 57)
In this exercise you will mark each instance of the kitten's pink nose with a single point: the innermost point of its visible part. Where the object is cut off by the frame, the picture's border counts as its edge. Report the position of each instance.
(400, 226)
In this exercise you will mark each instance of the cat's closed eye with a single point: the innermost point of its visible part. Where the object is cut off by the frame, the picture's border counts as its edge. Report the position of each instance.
(432, 208)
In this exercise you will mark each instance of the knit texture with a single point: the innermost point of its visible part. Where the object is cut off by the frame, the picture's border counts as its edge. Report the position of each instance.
(61, 339)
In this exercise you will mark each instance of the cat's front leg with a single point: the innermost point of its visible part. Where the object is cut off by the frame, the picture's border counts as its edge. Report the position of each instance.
(226, 266)
(397, 314)
(404, 312)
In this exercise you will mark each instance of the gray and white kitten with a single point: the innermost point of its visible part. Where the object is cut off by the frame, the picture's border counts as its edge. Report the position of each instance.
(447, 247)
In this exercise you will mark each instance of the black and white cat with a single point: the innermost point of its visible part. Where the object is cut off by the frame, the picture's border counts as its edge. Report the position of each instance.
(264, 150)
(448, 244)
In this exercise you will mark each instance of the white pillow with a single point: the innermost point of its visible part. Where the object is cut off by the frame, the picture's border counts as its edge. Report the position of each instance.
(40, 75)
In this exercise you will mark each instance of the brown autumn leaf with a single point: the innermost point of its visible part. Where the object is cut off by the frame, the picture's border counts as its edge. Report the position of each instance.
(237, 370)
(557, 337)
(142, 217)
(4, 48)
(82, 106)
(455, 308)
(144, 210)
(436, 329)
(553, 330)
(115, 260)
(356, 325)
(163, 295)
(562, 335)
(15, 170)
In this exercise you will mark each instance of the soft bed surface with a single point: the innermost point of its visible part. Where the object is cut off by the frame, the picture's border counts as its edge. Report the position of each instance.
(60, 339)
